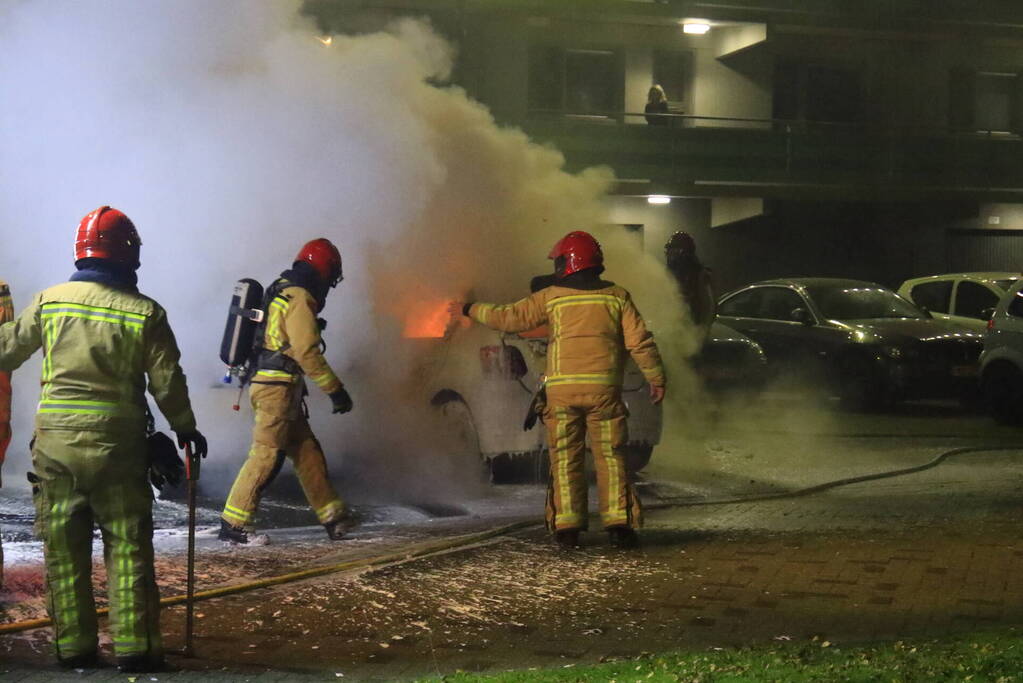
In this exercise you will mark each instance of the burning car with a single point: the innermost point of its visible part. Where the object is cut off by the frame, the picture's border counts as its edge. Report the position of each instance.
(482, 382)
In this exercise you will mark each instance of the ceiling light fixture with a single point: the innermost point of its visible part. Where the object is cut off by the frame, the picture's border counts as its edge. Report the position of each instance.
(658, 199)
(695, 28)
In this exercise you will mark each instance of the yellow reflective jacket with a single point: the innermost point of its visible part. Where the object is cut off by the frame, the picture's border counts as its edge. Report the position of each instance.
(292, 331)
(590, 331)
(99, 344)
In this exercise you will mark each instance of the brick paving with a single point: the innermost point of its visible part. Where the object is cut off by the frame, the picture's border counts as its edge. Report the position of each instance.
(911, 557)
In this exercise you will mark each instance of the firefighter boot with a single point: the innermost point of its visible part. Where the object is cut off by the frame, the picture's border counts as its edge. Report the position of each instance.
(338, 529)
(237, 534)
(567, 539)
(622, 537)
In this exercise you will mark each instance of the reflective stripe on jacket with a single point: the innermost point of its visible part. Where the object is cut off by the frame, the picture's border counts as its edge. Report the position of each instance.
(100, 344)
(590, 331)
(292, 330)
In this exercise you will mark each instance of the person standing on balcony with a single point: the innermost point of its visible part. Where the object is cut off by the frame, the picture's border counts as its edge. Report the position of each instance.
(695, 280)
(656, 105)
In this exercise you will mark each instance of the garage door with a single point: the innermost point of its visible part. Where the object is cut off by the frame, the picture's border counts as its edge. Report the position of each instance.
(985, 250)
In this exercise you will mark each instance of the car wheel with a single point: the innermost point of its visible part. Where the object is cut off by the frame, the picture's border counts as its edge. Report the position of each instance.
(859, 385)
(458, 434)
(1002, 389)
(636, 456)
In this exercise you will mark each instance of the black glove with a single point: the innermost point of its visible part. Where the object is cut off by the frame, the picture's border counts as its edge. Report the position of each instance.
(536, 408)
(341, 401)
(165, 467)
(196, 440)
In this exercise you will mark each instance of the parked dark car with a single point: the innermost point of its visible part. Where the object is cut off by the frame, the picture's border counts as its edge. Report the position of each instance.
(870, 345)
(731, 361)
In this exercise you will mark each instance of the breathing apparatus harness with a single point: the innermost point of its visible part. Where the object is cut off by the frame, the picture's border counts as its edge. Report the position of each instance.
(263, 358)
(245, 362)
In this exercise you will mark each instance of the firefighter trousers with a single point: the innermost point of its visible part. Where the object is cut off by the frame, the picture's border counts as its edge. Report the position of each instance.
(100, 478)
(281, 430)
(573, 415)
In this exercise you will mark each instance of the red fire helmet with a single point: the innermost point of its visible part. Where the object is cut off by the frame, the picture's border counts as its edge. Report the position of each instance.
(107, 233)
(325, 259)
(581, 251)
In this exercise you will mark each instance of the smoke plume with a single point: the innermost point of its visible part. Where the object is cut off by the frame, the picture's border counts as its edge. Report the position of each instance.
(231, 135)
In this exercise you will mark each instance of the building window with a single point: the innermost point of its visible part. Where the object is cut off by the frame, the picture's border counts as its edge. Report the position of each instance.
(590, 82)
(985, 101)
(814, 92)
(546, 79)
(993, 106)
(575, 81)
(673, 71)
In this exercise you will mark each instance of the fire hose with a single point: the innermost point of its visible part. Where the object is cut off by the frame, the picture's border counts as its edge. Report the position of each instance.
(456, 543)
(818, 488)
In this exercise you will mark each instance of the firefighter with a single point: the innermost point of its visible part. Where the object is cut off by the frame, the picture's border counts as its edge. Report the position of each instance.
(695, 281)
(103, 343)
(592, 325)
(6, 314)
(291, 349)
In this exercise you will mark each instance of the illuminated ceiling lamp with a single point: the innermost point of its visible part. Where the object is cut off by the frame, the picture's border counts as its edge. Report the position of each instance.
(695, 28)
(659, 199)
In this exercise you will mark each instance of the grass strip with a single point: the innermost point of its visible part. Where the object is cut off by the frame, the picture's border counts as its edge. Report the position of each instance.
(988, 656)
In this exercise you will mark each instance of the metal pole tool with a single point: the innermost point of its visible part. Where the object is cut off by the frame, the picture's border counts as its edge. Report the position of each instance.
(192, 475)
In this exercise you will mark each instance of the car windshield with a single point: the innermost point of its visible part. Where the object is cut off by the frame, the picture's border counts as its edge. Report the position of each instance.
(861, 303)
(1004, 285)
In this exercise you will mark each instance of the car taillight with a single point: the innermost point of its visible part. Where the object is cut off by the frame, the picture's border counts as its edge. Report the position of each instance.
(990, 324)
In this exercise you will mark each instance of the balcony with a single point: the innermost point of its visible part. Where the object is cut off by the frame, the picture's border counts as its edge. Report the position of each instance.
(713, 156)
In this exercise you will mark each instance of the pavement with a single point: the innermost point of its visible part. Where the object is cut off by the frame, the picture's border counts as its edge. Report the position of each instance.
(933, 553)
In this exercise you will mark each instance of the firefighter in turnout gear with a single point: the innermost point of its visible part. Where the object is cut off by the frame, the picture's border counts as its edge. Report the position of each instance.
(291, 350)
(593, 323)
(103, 344)
(6, 314)
(695, 280)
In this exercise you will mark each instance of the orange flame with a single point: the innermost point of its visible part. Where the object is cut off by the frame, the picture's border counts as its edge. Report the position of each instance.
(429, 320)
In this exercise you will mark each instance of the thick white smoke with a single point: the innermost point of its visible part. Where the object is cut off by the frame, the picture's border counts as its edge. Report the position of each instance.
(231, 135)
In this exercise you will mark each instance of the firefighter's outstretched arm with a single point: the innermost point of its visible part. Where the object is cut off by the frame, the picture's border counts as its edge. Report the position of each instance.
(525, 314)
(639, 342)
(20, 338)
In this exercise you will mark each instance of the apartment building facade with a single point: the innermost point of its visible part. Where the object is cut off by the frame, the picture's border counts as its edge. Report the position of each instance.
(870, 138)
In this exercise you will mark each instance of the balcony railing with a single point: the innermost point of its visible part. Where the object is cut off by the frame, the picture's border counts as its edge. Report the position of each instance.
(731, 151)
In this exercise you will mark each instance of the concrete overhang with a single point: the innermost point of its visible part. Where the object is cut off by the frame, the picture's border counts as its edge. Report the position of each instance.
(989, 18)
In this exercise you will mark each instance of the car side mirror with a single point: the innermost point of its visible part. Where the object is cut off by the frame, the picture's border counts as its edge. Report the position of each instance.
(987, 313)
(801, 315)
(927, 311)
